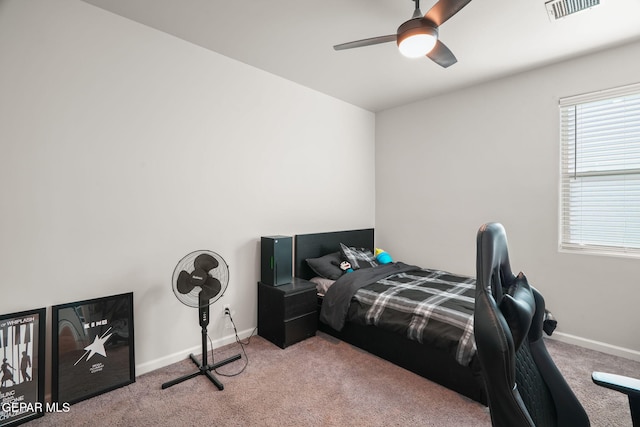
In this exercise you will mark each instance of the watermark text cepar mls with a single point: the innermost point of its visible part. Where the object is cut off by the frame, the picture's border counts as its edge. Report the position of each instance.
(16, 407)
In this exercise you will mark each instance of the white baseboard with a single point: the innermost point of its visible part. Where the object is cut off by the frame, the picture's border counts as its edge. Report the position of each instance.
(597, 345)
(161, 362)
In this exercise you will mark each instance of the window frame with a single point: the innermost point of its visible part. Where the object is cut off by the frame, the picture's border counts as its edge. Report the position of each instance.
(569, 167)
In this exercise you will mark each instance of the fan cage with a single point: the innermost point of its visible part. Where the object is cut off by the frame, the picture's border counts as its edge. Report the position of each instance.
(221, 272)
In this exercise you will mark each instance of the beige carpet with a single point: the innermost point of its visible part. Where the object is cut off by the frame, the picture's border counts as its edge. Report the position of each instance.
(322, 382)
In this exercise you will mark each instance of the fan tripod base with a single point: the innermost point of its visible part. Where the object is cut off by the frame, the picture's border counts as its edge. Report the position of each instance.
(203, 370)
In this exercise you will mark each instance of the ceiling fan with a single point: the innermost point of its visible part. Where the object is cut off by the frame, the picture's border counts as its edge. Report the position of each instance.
(419, 35)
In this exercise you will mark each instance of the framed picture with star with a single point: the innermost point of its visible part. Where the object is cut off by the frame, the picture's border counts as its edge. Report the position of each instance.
(92, 348)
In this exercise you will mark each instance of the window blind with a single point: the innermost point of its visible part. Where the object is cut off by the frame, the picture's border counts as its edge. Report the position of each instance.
(600, 176)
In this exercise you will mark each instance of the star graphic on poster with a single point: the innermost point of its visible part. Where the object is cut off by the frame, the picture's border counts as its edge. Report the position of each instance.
(97, 346)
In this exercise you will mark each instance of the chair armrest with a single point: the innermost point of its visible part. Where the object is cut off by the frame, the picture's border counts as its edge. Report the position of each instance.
(626, 385)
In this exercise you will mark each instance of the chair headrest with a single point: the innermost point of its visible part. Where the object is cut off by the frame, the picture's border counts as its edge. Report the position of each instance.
(492, 262)
(518, 307)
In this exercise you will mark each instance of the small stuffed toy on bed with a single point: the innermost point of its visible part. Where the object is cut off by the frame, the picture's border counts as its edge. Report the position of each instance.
(383, 257)
(346, 267)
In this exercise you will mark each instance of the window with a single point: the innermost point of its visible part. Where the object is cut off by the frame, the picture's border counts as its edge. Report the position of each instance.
(600, 161)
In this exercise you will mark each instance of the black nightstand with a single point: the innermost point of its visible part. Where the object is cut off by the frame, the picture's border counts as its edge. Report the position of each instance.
(287, 313)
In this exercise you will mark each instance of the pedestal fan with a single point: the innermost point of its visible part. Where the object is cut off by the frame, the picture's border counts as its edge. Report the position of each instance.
(199, 280)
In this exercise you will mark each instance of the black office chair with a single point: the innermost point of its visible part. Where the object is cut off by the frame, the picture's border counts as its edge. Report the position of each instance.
(524, 386)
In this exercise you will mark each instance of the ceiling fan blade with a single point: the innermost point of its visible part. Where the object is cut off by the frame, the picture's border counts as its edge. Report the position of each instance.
(444, 10)
(205, 262)
(183, 283)
(366, 42)
(441, 55)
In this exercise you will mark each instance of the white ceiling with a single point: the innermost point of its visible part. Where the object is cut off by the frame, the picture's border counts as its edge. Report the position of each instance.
(294, 38)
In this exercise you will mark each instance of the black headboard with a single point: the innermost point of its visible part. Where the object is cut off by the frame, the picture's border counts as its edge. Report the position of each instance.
(318, 244)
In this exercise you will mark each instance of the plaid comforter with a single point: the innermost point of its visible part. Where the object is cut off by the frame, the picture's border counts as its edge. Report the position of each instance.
(429, 306)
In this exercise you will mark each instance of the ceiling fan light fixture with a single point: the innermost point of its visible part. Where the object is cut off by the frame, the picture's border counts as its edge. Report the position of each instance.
(416, 38)
(417, 46)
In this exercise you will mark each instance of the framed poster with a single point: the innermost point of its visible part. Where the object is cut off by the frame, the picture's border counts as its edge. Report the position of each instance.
(92, 347)
(22, 388)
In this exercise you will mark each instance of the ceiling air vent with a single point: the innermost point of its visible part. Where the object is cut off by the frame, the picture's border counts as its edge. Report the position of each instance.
(560, 8)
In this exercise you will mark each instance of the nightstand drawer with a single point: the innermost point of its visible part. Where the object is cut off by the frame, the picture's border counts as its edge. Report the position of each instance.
(287, 313)
(299, 304)
(300, 328)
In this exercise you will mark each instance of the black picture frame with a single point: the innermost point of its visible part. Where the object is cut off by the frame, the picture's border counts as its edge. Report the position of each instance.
(22, 342)
(92, 347)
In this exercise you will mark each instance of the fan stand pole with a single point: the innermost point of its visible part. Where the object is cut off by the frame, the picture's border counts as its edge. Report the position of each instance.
(204, 368)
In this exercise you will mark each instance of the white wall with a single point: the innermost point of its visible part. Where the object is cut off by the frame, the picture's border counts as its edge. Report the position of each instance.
(448, 164)
(122, 149)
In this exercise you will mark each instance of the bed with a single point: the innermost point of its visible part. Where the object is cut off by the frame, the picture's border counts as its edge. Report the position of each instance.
(435, 359)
